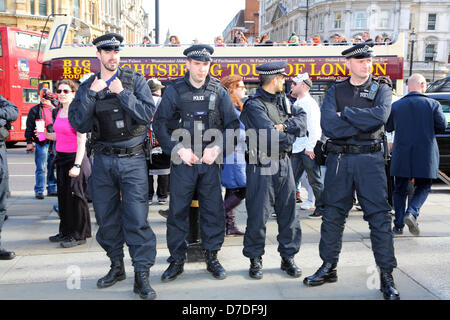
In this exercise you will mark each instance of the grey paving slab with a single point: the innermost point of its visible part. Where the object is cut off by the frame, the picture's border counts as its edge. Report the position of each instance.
(44, 270)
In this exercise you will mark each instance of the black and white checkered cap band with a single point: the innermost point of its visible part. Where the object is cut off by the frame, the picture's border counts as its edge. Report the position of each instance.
(357, 52)
(108, 43)
(201, 53)
(272, 71)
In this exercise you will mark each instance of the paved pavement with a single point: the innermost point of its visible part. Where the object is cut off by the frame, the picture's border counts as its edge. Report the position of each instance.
(44, 270)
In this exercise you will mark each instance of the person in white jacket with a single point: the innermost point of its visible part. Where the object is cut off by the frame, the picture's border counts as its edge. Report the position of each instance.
(303, 148)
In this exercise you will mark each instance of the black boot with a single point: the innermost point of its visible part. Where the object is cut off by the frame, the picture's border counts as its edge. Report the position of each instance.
(326, 273)
(142, 285)
(231, 228)
(388, 287)
(288, 265)
(255, 270)
(6, 255)
(213, 265)
(231, 201)
(116, 273)
(173, 271)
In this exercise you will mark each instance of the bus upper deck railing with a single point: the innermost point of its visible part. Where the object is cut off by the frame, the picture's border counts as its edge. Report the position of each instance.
(230, 45)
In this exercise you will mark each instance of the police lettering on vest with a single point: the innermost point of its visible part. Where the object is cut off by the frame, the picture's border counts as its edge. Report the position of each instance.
(199, 112)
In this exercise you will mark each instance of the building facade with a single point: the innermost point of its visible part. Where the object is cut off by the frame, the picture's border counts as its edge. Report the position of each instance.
(246, 20)
(426, 25)
(126, 17)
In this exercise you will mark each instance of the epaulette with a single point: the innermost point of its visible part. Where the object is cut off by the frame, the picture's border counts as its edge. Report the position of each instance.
(383, 79)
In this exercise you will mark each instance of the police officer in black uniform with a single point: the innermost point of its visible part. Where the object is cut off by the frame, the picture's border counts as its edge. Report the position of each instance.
(116, 105)
(8, 113)
(354, 113)
(270, 180)
(193, 104)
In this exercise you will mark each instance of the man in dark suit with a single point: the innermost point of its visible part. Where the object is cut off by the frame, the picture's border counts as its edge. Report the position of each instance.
(416, 119)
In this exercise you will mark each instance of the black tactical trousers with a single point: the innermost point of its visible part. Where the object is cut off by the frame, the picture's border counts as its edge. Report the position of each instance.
(365, 173)
(266, 194)
(119, 190)
(184, 181)
(3, 185)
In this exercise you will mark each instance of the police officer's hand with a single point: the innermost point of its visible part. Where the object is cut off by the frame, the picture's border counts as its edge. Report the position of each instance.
(116, 86)
(188, 156)
(98, 85)
(209, 155)
(310, 154)
(279, 127)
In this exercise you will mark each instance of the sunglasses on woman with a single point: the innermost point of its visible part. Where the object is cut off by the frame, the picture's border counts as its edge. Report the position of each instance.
(65, 91)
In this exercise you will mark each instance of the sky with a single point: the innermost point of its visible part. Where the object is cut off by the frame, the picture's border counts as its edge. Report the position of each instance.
(190, 19)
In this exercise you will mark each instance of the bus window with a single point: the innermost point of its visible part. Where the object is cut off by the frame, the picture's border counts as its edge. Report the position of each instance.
(58, 38)
(27, 41)
(30, 95)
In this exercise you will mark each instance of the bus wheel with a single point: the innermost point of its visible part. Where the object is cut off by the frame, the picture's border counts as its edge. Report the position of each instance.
(9, 144)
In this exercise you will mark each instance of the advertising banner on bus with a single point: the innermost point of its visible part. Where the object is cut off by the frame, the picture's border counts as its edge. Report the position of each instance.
(166, 69)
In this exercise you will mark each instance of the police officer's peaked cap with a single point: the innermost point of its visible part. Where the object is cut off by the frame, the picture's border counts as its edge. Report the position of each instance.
(200, 52)
(269, 68)
(359, 51)
(109, 41)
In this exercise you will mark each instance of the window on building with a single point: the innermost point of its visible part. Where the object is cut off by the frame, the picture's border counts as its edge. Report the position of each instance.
(360, 21)
(431, 21)
(337, 20)
(93, 14)
(429, 52)
(43, 7)
(76, 8)
(383, 21)
(32, 7)
(321, 22)
(2, 6)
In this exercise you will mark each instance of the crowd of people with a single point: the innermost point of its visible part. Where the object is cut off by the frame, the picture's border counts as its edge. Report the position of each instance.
(239, 39)
(135, 132)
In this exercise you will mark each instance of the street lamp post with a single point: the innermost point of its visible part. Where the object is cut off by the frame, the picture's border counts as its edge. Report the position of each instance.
(434, 62)
(307, 16)
(411, 54)
(157, 21)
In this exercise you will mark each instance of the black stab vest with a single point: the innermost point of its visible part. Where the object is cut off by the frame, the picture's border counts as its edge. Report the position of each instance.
(356, 96)
(111, 122)
(197, 111)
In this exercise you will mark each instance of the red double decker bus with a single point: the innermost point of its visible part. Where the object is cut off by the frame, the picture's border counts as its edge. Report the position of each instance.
(19, 74)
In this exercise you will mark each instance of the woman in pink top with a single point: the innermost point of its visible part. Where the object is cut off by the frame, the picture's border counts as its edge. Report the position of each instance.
(73, 170)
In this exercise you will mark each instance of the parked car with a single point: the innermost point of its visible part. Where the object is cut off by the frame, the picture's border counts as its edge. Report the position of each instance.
(439, 86)
(443, 139)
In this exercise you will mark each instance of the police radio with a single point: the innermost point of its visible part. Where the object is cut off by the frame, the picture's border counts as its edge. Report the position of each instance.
(373, 90)
(212, 102)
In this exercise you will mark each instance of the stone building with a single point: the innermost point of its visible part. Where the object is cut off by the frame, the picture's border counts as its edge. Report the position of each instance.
(126, 17)
(246, 20)
(426, 25)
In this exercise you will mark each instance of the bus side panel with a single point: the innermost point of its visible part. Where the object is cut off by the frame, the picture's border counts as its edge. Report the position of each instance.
(23, 67)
